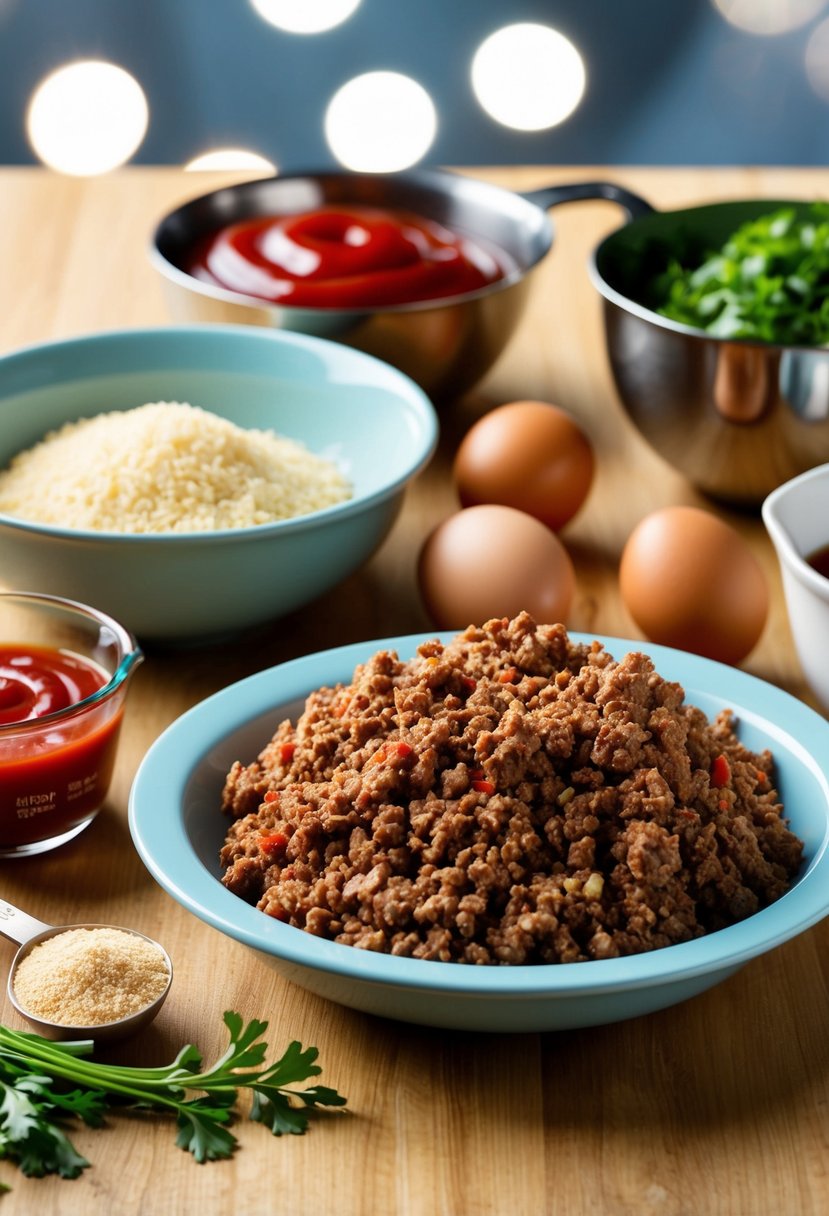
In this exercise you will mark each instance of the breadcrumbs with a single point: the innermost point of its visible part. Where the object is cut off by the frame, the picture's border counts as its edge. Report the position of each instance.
(87, 977)
(166, 467)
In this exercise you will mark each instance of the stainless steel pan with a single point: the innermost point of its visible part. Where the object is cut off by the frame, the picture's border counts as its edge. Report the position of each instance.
(445, 346)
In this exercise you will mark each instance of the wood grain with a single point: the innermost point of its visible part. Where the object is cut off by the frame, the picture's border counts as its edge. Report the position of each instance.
(716, 1106)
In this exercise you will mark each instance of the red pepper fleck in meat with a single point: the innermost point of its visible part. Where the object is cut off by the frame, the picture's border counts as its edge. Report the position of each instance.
(275, 842)
(375, 758)
(720, 772)
(389, 751)
(286, 752)
(482, 786)
(272, 796)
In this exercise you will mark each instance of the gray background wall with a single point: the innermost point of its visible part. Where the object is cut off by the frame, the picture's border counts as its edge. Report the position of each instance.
(669, 81)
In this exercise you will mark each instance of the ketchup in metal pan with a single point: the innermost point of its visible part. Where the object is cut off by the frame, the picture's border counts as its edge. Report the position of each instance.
(52, 777)
(345, 257)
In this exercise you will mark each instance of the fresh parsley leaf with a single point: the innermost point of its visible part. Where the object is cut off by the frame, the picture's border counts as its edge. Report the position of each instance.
(201, 1132)
(769, 282)
(48, 1150)
(18, 1114)
(274, 1109)
(319, 1095)
(295, 1065)
(88, 1104)
(30, 1134)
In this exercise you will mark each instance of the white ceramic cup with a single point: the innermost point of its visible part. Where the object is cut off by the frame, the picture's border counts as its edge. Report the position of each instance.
(796, 516)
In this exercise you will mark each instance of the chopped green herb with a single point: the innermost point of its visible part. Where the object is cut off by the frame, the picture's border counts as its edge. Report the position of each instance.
(769, 282)
(44, 1085)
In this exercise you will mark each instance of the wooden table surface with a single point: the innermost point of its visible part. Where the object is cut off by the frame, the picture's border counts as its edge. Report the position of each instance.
(719, 1105)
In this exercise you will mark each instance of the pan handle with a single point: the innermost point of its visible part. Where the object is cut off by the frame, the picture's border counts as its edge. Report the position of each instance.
(552, 196)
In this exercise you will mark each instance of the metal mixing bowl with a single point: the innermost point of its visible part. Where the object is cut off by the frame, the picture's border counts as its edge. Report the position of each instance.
(447, 345)
(737, 417)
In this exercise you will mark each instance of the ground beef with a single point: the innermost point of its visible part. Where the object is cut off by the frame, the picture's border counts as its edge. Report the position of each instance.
(512, 797)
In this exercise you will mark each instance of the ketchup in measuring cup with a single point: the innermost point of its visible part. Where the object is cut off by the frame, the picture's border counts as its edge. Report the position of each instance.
(346, 257)
(56, 753)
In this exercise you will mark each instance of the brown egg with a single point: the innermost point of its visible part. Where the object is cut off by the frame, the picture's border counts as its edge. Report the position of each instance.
(689, 580)
(526, 455)
(493, 561)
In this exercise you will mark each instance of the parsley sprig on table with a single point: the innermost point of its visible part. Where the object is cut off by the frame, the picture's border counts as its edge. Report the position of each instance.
(43, 1085)
(769, 282)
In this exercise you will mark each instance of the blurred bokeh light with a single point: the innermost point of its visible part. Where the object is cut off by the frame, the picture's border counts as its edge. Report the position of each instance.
(230, 158)
(305, 16)
(380, 122)
(817, 59)
(769, 17)
(528, 76)
(653, 82)
(87, 117)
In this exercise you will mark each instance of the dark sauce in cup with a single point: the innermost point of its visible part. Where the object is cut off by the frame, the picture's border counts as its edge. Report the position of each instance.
(819, 560)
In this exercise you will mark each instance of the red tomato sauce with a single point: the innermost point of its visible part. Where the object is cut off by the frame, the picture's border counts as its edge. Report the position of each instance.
(35, 681)
(52, 777)
(346, 257)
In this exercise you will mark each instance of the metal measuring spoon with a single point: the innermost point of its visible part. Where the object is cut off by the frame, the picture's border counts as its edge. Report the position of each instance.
(29, 932)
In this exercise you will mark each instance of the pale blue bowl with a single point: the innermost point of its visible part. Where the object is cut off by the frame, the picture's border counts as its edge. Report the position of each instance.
(178, 830)
(374, 422)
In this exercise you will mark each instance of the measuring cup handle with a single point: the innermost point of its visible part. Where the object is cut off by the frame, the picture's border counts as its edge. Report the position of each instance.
(575, 192)
(18, 926)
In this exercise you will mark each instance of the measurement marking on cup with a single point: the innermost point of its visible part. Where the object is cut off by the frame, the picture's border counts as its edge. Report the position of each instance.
(81, 787)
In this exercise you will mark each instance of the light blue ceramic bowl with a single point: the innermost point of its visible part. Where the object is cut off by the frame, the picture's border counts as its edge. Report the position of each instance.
(374, 422)
(178, 829)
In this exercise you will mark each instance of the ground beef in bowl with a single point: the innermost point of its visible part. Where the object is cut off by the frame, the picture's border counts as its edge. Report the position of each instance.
(511, 797)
